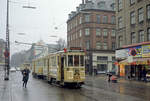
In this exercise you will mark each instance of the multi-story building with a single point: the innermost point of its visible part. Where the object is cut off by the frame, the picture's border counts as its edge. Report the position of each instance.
(132, 21)
(133, 37)
(2, 49)
(92, 27)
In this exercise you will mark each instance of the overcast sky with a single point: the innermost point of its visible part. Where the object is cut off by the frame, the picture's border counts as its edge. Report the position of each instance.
(37, 23)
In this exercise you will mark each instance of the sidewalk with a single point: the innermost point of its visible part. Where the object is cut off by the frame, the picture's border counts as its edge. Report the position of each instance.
(104, 78)
(5, 89)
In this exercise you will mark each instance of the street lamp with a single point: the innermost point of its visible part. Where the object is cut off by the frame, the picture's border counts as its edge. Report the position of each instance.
(7, 45)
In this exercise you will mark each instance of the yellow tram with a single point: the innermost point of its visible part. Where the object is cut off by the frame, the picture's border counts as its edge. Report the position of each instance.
(64, 67)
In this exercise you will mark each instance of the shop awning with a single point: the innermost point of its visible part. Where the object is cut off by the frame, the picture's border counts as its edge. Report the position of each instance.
(136, 61)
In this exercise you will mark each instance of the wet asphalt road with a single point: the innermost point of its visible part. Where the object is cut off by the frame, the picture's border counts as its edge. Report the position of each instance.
(96, 89)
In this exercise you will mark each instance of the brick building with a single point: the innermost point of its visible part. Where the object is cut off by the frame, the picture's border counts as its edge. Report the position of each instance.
(92, 27)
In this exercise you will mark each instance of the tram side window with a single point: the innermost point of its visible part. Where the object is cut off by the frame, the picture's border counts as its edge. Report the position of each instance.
(76, 60)
(81, 60)
(70, 60)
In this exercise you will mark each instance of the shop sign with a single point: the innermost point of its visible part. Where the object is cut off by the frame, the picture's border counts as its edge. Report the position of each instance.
(121, 54)
(135, 51)
(145, 50)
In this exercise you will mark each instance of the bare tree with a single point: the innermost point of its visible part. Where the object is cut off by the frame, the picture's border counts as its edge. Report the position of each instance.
(61, 44)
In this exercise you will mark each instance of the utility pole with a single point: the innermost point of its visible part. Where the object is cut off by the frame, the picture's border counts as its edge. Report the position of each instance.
(7, 46)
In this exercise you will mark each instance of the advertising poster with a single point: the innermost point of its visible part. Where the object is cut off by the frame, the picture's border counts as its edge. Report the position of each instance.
(135, 51)
(145, 50)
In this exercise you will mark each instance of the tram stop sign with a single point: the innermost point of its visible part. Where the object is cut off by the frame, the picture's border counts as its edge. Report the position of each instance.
(6, 54)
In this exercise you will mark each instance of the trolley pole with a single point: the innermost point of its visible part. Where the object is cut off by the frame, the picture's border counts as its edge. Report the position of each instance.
(7, 46)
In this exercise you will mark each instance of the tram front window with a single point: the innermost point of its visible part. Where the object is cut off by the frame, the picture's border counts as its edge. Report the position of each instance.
(76, 60)
(70, 60)
(81, 60)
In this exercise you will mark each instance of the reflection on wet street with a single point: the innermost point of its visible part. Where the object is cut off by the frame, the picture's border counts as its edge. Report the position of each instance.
(95, 90)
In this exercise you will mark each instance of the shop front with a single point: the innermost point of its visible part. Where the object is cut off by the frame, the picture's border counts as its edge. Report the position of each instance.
(135, 61)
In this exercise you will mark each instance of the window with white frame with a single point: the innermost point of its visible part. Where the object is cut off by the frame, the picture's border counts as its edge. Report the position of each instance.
(148, 11)
(148, 34)
(98, 32)
(80, 33)
(105, 19)
(140, 14)
(120, 41)
(113, 33)
(113, 45)
(87, 18)
(132, 2)
(120, 25)
(141, 36)
(98, 45)
(80, 20)
(119, 5)
(87, 44)
(105, 45)
(133, 37)
(132, 17)
(113, 19)
(87, 31)
(105, 32)
(98, 18)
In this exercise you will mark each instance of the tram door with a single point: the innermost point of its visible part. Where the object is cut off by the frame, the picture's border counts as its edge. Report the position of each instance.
(62, 68)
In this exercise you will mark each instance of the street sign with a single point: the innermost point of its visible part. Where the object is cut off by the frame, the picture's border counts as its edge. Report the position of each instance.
(6, 54)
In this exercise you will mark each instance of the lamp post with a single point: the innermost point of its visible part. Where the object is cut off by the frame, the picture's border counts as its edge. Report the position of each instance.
(7, 46)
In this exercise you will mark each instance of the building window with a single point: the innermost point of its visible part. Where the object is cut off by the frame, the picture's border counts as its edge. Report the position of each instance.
(120, 22)
(119, 5)
(98, 45)
(105, 32)
(105, 45)
(141, 36)
(132, 18)
(102, 58)
(140, 15)
(87, 32)
(80, 33)
(105, 19)
(148, 11)
(102, 67)
(87, 18)
(148, 34)
(113, 19)
(120, 41)
(113, 45)
(132, 2)
(87, 44)
(80, 20)
(98, 18)
(113, 33)
(133, 37)
(98, 32)
(139, 0)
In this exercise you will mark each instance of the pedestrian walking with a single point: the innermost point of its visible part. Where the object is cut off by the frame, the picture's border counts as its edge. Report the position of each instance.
(109, 76)
(144, 75)
(25, 74)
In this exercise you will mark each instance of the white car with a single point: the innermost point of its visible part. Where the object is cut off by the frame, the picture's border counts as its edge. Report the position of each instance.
(12, 70)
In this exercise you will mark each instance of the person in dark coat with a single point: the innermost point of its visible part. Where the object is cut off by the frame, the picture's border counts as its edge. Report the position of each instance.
(25, 74)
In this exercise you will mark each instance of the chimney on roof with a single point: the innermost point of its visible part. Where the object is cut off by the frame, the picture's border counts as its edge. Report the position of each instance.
(83, 2)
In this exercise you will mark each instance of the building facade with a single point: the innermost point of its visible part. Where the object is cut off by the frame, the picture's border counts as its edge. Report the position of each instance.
(133, 37)
(92, 27)
(132, 21)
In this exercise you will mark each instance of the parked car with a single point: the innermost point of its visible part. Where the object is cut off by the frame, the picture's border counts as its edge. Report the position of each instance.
(12, 70)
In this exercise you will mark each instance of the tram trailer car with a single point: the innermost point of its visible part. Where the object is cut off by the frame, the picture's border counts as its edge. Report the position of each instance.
(63, 68)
